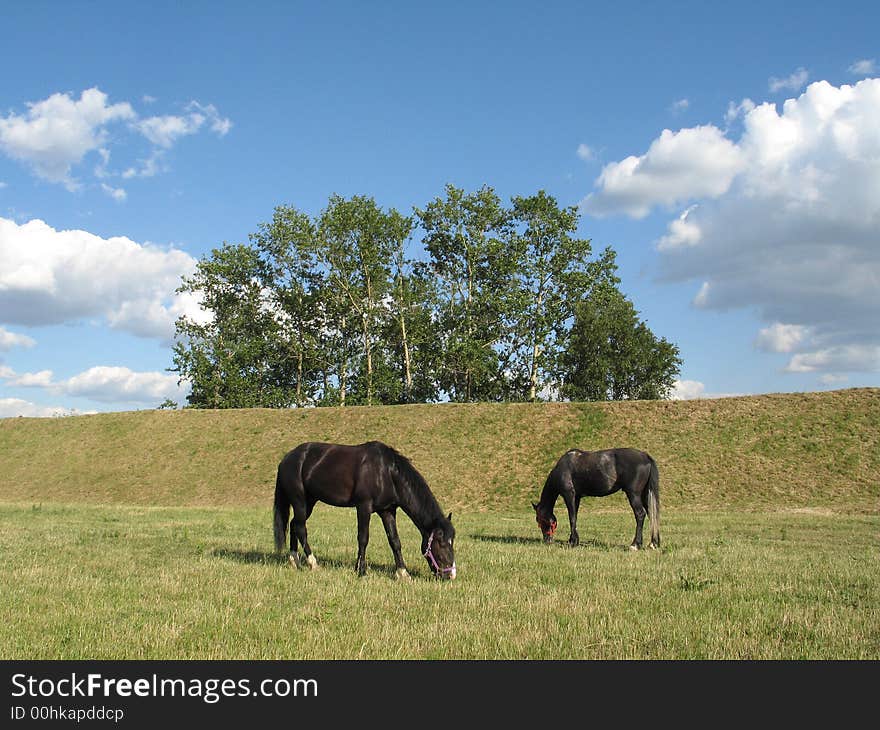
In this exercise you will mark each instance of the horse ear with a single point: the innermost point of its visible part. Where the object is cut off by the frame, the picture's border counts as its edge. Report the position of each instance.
(535, 506)
(449, 517)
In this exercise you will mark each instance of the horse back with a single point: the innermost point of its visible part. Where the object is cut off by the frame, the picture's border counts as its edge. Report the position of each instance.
(600, 473)
(336, 474)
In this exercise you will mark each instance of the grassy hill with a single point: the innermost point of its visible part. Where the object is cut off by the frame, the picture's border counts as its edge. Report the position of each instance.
(811, 451)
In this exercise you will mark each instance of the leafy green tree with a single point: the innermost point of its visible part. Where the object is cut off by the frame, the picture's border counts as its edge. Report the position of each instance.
(553, 272)
(612, 355)
(230, 358)
(464, 236)
(355, 245)
(292, 281)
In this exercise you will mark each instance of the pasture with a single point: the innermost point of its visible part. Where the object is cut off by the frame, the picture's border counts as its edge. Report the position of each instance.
(171, 583)
(148, 535)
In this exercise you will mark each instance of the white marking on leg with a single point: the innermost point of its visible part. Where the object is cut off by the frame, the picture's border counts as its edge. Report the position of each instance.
(401, 574)
(294, 560)
(634, 548)
(313, 563)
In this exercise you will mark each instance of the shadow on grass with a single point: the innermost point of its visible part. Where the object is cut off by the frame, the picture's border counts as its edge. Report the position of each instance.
(508, 539)
(591, 543)
(263, 557)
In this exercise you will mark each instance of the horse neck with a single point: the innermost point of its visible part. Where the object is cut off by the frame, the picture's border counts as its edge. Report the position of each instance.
(419, 505)
(549, 494)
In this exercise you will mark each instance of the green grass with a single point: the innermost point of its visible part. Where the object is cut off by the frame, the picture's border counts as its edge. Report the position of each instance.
(770, 512)
(799, 450)
(101, 582)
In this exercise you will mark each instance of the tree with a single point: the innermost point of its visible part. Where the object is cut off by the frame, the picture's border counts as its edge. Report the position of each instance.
(231, 358)
(356, 244)
(612, 355)
(552, 274)
(290, 276)
(464, 235)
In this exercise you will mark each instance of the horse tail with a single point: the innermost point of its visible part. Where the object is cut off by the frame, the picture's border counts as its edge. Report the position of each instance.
(282, 512)
(654, 503)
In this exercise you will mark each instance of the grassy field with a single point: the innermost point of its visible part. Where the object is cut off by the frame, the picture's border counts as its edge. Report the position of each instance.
(770, 525)
(122, 582)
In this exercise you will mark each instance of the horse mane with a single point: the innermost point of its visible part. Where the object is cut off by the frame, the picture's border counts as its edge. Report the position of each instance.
(415, 496)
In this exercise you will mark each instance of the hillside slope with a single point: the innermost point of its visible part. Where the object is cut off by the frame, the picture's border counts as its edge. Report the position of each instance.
(805, 451)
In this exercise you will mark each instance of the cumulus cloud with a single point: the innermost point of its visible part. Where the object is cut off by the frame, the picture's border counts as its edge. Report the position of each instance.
(794, 82)
(694, 389)
(678, 166)
(51, 277)
(8, 340)
(118, 194)
(863, 67)
(42, 379)
(115, 384)
(14, 407)
(585, 152)
(164, 131)
(105, 383)
(56, 134)
(844, 358)
(789, 226)
(780, 337)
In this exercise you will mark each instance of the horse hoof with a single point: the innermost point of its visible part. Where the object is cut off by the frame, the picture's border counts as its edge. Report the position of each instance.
(401, 574)
(313, 563)
(294, 560)
(634, 548)
(653, 546)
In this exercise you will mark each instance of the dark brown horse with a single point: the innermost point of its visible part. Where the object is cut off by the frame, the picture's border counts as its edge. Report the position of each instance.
(370, 477)
(598, 474)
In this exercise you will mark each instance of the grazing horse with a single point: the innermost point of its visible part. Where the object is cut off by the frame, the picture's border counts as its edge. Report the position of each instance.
(598, 474)
(370, 477)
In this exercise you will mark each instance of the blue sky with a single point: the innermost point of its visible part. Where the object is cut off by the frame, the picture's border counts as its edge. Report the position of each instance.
(729, 153)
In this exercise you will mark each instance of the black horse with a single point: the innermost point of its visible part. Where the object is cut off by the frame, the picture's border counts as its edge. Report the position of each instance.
(598, 474)
(370, 477)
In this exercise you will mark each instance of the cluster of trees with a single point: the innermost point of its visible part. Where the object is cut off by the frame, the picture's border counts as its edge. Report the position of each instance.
(502, 303)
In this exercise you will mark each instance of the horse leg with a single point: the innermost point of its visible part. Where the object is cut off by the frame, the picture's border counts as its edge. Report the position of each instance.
(298, 532)
(389, 520)
(363, 513)
(638, 508)
(572, 503)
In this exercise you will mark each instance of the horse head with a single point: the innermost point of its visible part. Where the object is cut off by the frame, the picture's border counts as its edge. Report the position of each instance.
(437, 547)
(546, 521)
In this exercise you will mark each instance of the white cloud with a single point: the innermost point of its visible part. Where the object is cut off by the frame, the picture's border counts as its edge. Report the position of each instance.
(8, 340)
(58, 132)
(694, 389)
(794, 234)
(780, 337)
(585, 152)
(105, 383)
(164, 131)
(51, 277)
(42, 379)
(844, 358)
(14, 407)
(863, 67)
(687, 390)
(794, 82)
(118, 194)
(679, 105)
(678, 166)
(119, 384)
(682, 232)
(833, 379)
